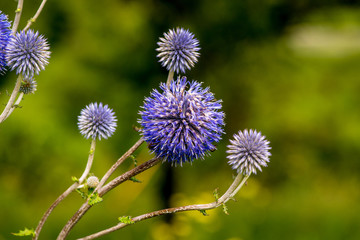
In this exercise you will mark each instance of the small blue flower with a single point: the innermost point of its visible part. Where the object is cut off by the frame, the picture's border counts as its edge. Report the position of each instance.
(4, 39)
(28, 86)
(27, 52)
(178, 50)
(183, 122)
(97, 121)
(248, 152)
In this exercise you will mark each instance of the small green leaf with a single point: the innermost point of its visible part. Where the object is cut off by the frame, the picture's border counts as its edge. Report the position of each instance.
(94, 199)
(74, 179)
(126, 220)
(216, 194)
(225, 209)
(25, 232)
(134, 179)
(203, 212)
(82, 194)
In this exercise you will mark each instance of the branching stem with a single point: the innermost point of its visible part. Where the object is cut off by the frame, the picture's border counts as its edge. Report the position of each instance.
(68, 191)
(103, 190)
(230, 193)
(33, 19)
(5, 114)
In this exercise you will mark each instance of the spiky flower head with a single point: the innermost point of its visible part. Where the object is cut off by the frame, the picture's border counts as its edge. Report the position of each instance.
(92, 181)
(4, 39)
(28, 85)
(182, 122)
(178, 50)
(28, 53)
(97, 121)
(248, 152)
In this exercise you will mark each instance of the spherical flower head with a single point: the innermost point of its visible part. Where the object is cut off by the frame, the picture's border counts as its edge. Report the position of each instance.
(28, 85)
(4, 39)
(183, 122)
(97, 121)
(248, 152)
(178, 50)
(92, 181)
(27, 52)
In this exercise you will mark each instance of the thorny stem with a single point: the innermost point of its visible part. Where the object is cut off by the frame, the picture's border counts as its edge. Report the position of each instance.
(235, 186)
(33, 19)
(68, 191)
(86, 206)
(170, 77)
(17, 16)
(5, 114)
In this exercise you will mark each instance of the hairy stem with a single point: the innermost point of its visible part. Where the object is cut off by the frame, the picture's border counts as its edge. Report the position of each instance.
(17, 17)
(16, 104)
(102, 191)
(235, 186)
(170, 78)
(5, 114)
(33, 19)
(68, 191)
(118, 163)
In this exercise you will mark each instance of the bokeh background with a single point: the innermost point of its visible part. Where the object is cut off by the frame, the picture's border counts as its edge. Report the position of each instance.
(289, 69)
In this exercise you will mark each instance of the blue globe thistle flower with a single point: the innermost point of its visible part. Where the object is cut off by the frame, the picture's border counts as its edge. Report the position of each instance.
(183, 122)
(97, 121)
(178, 50)
(4, 39)
(27, 52)
(248, 152)
(28, 85)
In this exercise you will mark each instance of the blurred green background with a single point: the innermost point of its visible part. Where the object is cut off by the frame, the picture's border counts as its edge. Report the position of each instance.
(289, 69)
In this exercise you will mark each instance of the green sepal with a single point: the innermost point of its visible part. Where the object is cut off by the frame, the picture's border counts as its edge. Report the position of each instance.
(225, 209)
(134, 179)
(74, 179)
(25, 232)
(203, 212)
(216, 194)
(126, 220)
(94, 199)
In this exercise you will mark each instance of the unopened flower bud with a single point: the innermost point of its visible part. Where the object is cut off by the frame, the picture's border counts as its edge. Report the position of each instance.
(92, 181)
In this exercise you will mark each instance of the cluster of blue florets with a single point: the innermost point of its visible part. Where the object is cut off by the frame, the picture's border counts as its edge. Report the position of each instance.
(183, 121)
(26, 52)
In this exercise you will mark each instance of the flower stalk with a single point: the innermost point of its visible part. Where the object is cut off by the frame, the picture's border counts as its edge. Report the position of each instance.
(68, 191)
(229, 194)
